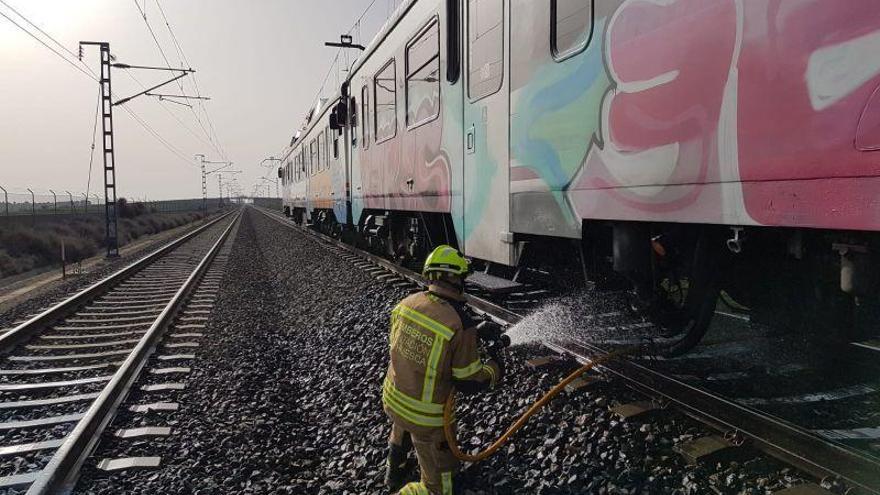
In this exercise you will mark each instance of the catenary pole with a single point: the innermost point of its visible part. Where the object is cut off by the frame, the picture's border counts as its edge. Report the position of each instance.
(110, 222)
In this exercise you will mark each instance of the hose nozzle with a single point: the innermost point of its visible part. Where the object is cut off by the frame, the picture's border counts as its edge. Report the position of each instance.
(492, 335)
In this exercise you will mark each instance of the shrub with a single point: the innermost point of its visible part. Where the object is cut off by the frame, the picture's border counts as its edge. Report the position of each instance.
(129, 210)
(25, 247)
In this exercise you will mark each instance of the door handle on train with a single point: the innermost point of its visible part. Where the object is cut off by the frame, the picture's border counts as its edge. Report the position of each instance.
(471, 139)
(410, 182)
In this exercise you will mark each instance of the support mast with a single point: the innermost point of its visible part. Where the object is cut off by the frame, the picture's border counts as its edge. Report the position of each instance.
(110, 221)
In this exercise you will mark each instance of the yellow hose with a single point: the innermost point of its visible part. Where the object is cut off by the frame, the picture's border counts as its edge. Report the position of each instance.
(450, 406)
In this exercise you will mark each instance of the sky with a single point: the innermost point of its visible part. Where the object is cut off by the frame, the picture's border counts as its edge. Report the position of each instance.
(262, 63)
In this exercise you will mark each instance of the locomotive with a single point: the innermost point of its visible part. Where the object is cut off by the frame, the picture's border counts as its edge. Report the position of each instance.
(683, 148)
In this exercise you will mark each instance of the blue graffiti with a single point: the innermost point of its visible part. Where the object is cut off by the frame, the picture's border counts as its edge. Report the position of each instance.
(539, 155)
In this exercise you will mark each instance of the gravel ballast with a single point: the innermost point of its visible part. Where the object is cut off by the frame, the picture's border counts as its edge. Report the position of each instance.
(52, 293)
(284, 397)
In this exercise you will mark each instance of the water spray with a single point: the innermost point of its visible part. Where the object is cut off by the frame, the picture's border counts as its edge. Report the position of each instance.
(495, 340)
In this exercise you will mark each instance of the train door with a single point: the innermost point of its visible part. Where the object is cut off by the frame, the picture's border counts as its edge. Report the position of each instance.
(486, 132)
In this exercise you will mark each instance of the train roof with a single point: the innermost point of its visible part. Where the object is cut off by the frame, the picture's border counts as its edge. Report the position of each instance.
(383, 33)
(315, 113)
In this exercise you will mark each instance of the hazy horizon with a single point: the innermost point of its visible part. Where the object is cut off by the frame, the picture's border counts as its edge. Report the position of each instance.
(261, 63)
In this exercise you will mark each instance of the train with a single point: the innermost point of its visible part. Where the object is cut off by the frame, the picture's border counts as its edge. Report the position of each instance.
(680, 149)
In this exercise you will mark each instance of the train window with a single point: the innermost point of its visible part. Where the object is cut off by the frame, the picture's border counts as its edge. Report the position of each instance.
(303, 160)
(330, 137)
(385, 89)
(571, 27)
(322, 153)
(453, 37)
(353, 122)
(313, 158)
(365, 116)
(485, 47)
(423, 76)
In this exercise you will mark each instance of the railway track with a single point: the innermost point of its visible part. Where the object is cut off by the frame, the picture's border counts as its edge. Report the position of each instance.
(739, 423)
(65, 371)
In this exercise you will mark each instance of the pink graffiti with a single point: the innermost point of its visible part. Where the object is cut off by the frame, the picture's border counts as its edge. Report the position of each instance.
(689, 41)
(669, 63)
(708, 93)
(410, 172)
(800, 103)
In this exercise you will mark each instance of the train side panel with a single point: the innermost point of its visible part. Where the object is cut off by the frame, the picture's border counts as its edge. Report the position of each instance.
(486, 36)
(300, 185)
(695, 111)
(285, 171)
(413, 160)
(405, 109)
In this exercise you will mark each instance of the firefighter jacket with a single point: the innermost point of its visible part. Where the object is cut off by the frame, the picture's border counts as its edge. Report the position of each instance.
(433, 342)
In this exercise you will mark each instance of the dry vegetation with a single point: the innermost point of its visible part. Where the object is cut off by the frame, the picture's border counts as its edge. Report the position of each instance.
(25, 247)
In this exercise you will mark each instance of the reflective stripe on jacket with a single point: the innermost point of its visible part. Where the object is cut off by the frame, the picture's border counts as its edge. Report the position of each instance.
(429, 347)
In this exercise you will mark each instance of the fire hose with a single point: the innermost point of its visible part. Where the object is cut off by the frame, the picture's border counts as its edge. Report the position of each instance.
(449, 407)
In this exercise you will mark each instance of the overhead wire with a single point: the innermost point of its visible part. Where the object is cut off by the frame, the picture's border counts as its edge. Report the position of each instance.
(44, 33)
(56, 52)
(355, 27)
(212, 136)
(201, 103)
(173, 149)
(175, 117)
(90, 74)
(94, 138)
(174, 40)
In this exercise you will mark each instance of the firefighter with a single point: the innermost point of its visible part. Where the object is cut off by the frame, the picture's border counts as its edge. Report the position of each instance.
(433, 350)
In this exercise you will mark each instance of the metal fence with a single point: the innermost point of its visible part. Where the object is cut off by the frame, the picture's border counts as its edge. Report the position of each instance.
(269, 203)
(18, 204)
(18, 201)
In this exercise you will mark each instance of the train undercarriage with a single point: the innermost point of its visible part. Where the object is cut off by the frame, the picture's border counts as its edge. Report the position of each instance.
(820, 284)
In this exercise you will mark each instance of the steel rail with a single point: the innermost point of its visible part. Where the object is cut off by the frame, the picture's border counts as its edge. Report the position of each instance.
(36, 324)
(774, 436)
(785, 441)
(61, 473)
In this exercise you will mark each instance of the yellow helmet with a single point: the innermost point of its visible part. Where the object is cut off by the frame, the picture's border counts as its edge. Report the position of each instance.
(446, 259)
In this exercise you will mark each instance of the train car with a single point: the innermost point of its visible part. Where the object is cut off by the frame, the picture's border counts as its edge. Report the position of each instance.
(294, 180)
(317, 166)
(684, 147)
(284, 173)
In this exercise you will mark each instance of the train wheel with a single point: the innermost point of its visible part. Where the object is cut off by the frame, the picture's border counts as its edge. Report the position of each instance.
(687, 294)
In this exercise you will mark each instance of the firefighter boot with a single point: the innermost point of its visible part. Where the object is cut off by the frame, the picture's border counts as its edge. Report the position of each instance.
(397, 467)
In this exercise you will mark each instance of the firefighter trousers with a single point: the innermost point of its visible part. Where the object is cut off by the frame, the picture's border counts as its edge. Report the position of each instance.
(436, 462)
